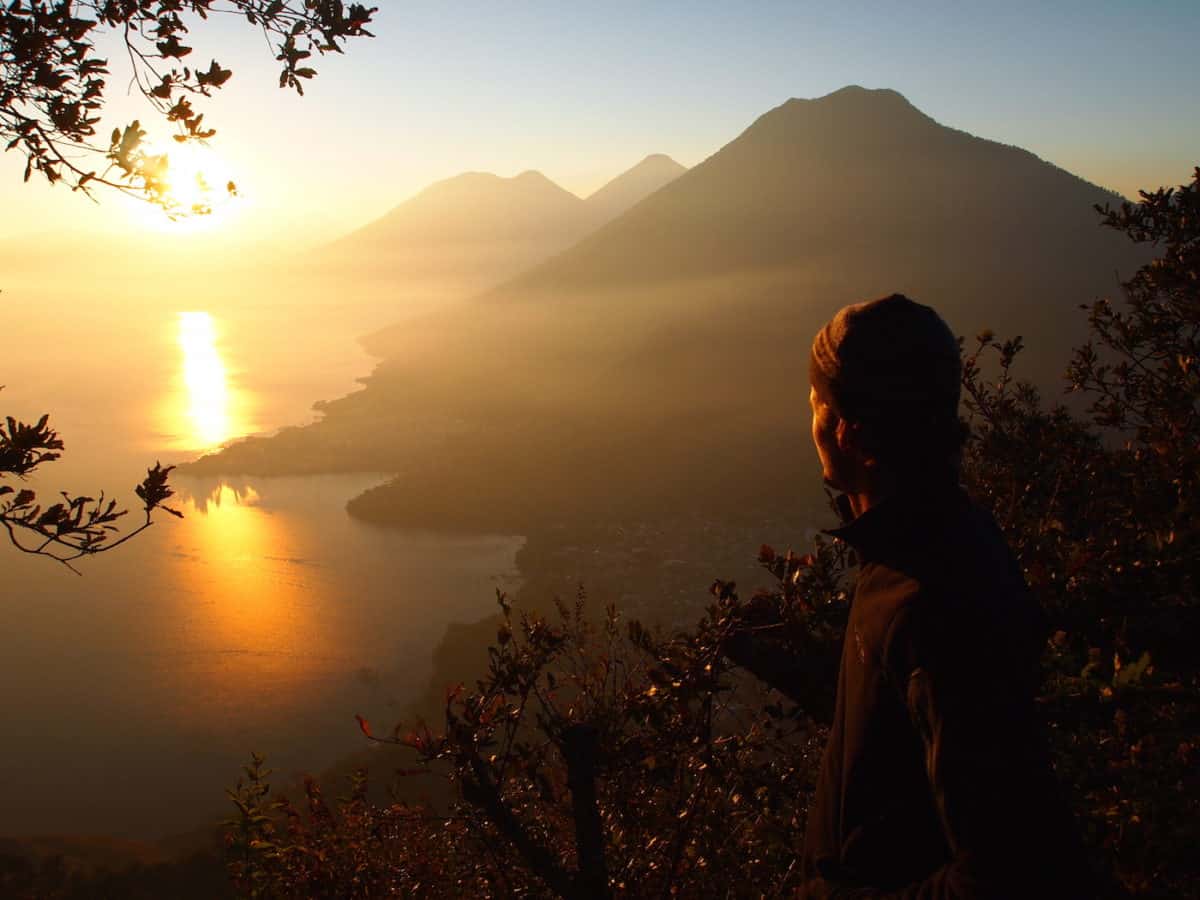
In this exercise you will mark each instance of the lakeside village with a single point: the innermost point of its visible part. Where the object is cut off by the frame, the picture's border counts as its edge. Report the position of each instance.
(656, 572)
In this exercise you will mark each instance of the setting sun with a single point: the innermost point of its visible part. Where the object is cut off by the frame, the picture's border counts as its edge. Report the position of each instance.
(198, 176)
(201, 193)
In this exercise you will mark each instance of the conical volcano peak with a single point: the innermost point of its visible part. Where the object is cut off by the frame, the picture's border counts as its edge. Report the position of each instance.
(659, 159)
(531, 181)
(475, 188)
(634, 185)
(852, 101)
(856, 93)
(474, 221)
(850, 114)
(532, 176)
(473, 178)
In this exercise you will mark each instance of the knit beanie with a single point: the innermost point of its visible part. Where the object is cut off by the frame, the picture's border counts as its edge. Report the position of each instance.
(892, 365)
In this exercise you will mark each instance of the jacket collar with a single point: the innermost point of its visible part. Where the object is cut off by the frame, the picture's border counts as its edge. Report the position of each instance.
(899, 521)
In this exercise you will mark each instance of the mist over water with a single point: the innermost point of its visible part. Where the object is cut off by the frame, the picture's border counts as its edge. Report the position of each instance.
(263, 620)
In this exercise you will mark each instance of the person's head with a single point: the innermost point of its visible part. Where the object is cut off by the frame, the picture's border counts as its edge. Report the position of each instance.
(885, 380)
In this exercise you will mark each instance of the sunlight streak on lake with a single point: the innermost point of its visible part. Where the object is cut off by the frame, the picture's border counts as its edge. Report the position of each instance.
(209, 419)
(255, 612)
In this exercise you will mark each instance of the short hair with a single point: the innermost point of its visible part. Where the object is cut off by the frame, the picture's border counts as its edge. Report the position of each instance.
(893, 366)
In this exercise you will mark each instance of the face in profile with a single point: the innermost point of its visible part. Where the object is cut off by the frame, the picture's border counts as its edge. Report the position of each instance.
(825, 437)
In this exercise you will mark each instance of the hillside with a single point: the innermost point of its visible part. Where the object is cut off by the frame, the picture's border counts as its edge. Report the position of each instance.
(457, 237)
(660, 362)
(631, 187)
(471, 232)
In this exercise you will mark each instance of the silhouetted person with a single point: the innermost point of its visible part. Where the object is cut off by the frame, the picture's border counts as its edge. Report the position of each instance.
(936, 781)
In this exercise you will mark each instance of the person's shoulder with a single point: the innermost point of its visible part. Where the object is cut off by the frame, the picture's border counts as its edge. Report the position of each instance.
(969, 601)
(883, 593)
(882, 586)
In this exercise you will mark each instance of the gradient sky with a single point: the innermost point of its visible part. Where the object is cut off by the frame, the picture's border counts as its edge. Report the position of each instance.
(1105, 90)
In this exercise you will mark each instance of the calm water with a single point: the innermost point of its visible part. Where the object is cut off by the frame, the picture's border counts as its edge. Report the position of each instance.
(263, 620)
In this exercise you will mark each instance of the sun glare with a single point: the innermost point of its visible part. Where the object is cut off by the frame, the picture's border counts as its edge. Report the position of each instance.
(199, 197)
(205, 379)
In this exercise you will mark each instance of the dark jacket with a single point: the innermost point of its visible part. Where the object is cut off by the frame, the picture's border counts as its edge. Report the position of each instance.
(936, 781)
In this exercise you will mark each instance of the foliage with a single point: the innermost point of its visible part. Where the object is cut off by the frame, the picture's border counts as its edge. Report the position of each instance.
(593, 760)
(1101, 514)
(591, 755)
(53, 81)
(76, 526)
(1142, 369)
(196, 876)
(334, 853)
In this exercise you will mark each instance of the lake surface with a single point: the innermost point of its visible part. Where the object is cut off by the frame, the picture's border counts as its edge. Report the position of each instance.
(263, 620)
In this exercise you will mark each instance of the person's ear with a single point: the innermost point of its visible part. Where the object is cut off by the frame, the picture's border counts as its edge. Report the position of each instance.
(853, 443)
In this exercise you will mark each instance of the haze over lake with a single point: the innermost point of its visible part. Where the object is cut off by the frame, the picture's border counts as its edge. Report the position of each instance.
(263, 620)
(267, 617)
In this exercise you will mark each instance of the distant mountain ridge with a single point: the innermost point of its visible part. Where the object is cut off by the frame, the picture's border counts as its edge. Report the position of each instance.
(480, 206)
(470, 232)
(528, 213)
(467, 233)
(661, 361)
(818, 203)
(631, 187)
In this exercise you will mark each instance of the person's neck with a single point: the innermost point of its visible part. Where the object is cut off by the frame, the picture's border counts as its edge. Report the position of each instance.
(860, 502)
(871, 487)
(879, 486)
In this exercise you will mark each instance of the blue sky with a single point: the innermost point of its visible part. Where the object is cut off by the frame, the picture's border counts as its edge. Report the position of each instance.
(581, 92)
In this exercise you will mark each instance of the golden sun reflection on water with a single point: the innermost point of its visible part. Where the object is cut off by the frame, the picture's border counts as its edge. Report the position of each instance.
(208, 418)
(254, 620)
(204, 378)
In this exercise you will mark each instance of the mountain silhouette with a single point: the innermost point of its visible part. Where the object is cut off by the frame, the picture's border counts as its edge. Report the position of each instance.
(662, 359)
(817, 204)
(481, 206)
(859, 177)
(630, 188)
(473, 226)
(465, 234)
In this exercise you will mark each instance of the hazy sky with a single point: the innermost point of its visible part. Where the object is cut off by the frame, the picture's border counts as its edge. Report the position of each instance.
(1106, 90)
